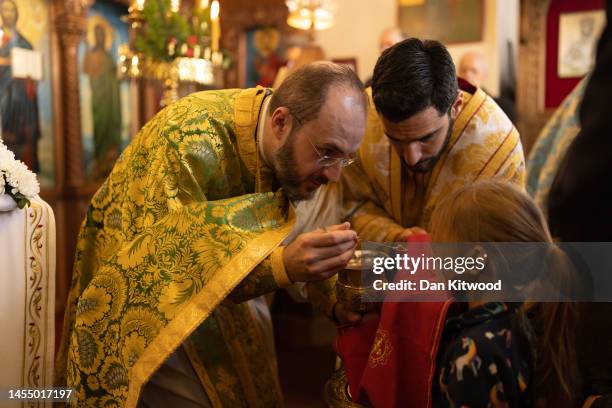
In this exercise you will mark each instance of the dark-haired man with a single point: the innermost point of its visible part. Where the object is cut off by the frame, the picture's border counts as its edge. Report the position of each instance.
(191, 228)
(426, 135)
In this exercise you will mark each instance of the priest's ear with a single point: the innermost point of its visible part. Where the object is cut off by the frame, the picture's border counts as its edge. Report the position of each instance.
(282, 122)
(456, 108)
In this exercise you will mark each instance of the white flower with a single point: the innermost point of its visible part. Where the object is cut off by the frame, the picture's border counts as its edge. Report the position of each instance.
(16, 175)
(5, 154)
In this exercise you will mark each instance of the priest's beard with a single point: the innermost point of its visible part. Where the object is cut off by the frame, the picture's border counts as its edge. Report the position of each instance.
(287, 172)
(425, 166)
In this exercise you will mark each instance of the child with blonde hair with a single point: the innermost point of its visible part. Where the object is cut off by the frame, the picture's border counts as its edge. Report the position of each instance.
(501, 354)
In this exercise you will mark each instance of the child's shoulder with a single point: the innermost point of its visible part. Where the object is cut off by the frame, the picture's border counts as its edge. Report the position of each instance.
(490, 335)
(488, 341)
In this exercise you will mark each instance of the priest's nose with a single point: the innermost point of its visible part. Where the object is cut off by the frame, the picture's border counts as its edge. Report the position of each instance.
(333, 172)
(412, 154)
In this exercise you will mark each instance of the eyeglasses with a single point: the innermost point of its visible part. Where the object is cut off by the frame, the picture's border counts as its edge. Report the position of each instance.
(329, 161)
(325, 160)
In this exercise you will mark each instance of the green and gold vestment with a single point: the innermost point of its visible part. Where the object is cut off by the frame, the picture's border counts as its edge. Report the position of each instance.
(184, 230)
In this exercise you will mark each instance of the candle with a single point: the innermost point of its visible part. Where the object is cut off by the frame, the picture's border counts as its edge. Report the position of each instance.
(215, 29)
(175, 5)
(217, 58)
(134, 69)
(140, 5)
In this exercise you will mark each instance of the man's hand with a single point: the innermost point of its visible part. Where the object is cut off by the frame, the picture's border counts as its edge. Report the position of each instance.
(408, 232)
(346, 317)
(320, 254)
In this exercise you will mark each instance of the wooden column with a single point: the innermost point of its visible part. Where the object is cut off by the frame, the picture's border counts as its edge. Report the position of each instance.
(70, 26)
(531, 74)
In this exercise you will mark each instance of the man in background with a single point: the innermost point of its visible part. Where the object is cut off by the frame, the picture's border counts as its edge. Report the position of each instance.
(388, 38)
(473, 67)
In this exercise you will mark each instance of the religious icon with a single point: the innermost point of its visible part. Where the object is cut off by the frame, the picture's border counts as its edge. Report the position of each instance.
(448, 21)
(104, 98)
(578, 35)
(19, 110)
(263, 56)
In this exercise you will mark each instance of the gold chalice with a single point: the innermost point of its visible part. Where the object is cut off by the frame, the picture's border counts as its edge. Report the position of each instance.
(354, 282)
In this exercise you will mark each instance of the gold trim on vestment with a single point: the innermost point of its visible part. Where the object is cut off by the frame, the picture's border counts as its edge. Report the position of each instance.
(395, 188)
(246, 113)
(278, 268)
(501, 155)
(225, 322)
(464, 117)
(434, 350)
(272, 359)
(201, 306)
(198, 367)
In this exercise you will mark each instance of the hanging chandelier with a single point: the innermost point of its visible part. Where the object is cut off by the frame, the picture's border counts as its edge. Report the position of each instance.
(311, 15)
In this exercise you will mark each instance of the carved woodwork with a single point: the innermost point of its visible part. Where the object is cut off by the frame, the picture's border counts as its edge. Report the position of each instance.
(531, 75)
(70, 25)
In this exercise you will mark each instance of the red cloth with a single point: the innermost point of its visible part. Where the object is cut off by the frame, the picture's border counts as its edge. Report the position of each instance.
(390, 361)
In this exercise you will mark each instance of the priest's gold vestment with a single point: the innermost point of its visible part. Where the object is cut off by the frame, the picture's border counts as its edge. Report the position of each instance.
(379, 193)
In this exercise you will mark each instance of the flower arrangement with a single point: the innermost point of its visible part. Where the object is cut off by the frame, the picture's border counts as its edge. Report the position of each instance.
(169, 34)
(16, 180)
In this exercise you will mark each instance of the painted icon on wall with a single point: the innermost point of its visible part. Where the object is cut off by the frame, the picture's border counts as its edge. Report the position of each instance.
(578, 36)
(105, 100)
(462, 19)
(25, 84)
(263, 55)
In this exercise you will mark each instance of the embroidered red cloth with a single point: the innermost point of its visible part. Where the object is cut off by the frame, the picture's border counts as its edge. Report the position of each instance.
(390, 361)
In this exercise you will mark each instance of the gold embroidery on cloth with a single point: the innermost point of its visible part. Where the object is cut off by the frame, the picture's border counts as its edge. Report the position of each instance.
(381, 349)
(35, 324)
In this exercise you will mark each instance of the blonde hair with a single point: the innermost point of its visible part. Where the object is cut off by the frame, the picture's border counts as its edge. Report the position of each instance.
(498, 211)
(489, 211)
